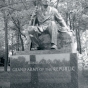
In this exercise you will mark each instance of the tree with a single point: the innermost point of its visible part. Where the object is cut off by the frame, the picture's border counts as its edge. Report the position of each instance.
(6, 40)
(19, 13)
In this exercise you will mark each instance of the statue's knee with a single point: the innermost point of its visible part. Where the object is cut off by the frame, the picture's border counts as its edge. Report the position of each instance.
(53, 23)
(53, 26)
(31, 29)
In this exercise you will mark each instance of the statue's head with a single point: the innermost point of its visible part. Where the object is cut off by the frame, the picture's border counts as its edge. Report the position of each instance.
(45, 2)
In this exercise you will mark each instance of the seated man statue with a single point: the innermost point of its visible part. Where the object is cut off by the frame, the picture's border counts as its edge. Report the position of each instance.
(47, 17)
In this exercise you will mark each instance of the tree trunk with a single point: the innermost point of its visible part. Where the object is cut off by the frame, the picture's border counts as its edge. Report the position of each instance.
(12, 44)
(6, 42)
(78, 40)
(22, 43)
(70, 22)
(17, 37)
(68, 19)
(73, 25)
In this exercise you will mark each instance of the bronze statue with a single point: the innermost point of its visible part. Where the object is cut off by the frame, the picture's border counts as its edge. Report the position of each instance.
(47, 18)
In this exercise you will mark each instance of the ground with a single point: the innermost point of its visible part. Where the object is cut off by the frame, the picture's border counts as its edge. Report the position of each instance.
(5, 79)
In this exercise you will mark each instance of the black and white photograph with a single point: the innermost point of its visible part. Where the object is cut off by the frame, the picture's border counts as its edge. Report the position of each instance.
(43, 43)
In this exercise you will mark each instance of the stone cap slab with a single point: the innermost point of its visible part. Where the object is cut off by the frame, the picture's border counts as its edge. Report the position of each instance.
(43, 52)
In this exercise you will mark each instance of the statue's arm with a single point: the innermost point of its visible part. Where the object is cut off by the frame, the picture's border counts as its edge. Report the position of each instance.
(60, 20)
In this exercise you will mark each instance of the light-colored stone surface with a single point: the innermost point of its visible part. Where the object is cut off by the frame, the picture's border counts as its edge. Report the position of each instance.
(43, 52)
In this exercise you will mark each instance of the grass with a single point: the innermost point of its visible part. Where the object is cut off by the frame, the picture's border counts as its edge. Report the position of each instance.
(5, 80)
(83, 81)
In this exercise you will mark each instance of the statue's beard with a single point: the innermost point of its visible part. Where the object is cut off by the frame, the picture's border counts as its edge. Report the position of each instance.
(45, 6)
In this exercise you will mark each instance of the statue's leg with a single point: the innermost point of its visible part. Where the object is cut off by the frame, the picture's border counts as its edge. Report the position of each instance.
(53, 34)
(32, 36)
(28, 40)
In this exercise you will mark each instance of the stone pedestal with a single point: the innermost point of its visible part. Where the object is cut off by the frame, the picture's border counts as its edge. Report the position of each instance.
(44, 69)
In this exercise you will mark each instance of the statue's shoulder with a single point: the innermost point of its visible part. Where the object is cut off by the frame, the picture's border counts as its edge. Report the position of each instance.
(53, 9)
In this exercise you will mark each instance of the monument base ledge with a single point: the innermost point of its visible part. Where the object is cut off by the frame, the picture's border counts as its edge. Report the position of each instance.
(44, 52)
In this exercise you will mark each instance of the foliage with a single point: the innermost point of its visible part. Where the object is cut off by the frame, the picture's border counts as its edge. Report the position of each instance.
(19, 14)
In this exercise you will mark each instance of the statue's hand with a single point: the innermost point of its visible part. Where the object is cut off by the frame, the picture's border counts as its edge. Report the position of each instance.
(40, 29)
(70, 33)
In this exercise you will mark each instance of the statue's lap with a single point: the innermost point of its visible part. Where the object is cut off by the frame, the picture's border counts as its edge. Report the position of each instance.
(63, 41)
